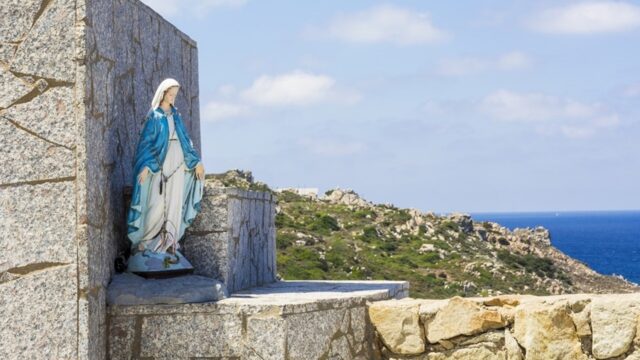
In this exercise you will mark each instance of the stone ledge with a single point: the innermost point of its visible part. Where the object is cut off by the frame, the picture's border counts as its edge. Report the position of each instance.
(288, 319)
(293, 296)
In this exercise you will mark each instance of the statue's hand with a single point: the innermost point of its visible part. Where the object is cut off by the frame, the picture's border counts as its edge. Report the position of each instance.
(200, 171)
(143, 174)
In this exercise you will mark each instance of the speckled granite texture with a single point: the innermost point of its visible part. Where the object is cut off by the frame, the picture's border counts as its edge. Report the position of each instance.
(233, 239)
(76, 79)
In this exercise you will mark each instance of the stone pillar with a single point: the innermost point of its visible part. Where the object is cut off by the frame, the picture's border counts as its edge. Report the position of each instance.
(77, 78)
(233, 239)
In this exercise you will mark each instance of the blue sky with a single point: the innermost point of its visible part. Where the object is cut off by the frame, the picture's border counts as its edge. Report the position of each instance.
(442, 106)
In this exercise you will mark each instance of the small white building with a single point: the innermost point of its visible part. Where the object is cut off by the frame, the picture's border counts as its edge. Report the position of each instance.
(311, 193)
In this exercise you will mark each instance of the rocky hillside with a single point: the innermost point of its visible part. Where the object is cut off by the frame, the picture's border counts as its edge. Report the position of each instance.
(341, 236)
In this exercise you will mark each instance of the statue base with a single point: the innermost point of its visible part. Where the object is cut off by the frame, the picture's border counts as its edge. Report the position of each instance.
(151, 264)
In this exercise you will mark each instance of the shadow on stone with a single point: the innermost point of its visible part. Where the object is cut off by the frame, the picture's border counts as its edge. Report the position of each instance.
(131, 289)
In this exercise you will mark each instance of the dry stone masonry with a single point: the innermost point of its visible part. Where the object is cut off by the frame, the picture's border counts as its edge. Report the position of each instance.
(524, 327)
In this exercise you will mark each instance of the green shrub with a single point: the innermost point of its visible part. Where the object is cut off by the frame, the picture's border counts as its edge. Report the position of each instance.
(301, 263)
(543, 267)
(285, 221)
(389, 246)
(290, 196)
(338, 254)
(362, 214)
(284, 240)
(323, 224)
(369, 234)
(401, 216)
(450, 225)
(430, 257)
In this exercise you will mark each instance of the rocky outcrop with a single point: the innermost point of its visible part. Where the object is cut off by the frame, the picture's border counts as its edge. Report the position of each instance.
(346, 197)
(578, 326)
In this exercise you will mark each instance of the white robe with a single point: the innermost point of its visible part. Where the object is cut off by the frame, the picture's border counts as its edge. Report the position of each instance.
(170, 202)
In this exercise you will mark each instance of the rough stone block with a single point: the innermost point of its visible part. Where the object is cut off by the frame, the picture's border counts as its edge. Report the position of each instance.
(30, 157)
(48, 49)
(37, 224)
(208, 254)
(233, 238)
(39, 315)
(198, 335)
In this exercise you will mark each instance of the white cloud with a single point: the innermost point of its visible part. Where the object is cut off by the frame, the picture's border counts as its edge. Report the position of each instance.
(294, 88)
(198, 8)
(587, 18)
(217, 110)
(383, 24)
(514, 60)
(549, 114)
(331, 147)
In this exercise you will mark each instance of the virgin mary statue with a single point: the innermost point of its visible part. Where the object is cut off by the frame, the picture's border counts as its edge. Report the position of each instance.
(168, 184)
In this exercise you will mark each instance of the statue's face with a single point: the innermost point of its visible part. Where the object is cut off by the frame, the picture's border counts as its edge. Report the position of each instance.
(170, 94)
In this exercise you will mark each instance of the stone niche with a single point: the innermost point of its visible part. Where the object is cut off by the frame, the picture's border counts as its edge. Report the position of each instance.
(233, 237)
(77, 78)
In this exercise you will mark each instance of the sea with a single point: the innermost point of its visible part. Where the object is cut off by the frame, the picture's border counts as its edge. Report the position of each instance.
(608, 241)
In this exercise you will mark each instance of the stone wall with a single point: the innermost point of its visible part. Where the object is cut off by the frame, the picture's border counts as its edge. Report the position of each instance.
(579, 326)
(233, 239)
(77, 79)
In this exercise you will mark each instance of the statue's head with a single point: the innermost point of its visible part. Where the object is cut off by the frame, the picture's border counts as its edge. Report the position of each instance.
(166, 92)
(169, 96)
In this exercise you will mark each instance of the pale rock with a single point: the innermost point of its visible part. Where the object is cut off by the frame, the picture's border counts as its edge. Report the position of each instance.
(462, 317)
(514, 352)
(471, 353)
(397, 322)
(426, 248)
(581, 315)
(463, 220)
(510, 300)
(613, 323)
(546, 331)
(347, 197)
